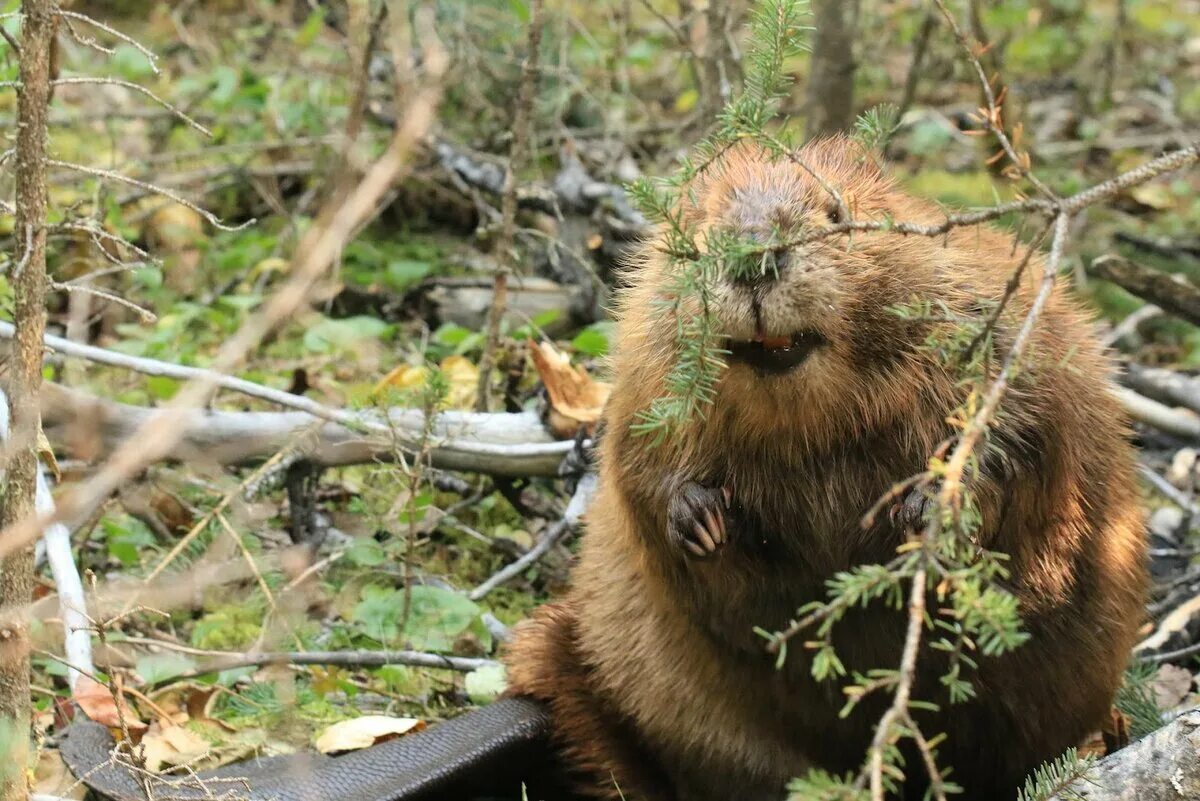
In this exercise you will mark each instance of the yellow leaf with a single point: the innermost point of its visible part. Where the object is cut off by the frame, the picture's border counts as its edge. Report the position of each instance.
(463, 378)
(363, 732)
(686, 100)
(405, 376)
(1155, 196)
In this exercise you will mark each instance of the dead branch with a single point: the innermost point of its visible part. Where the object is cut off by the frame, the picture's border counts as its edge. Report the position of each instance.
(507, 240)
(1179, 422)
(1171, 292)
(570, 519)
(1165, 386)
(227, 660)
(498, 443)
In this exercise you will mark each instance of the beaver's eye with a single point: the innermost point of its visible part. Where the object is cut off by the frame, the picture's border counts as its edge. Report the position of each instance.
(834, 214)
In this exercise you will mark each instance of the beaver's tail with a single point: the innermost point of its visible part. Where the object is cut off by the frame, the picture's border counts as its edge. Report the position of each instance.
(599, 748)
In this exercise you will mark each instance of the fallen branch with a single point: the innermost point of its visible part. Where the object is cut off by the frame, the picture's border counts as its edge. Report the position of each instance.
(575, 509)
(1160, 767)
(181, 373)
(497, 444)
(1169, 292)
(1179, 422)
(1165, 386)
(230, 661)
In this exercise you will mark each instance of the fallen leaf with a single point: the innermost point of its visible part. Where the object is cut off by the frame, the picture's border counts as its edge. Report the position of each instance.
(98, 703)
(1171, 685)
(484, 685)
(463, 378)
(1154, 196)
(365, 731)
(576, 399)
(52, 777)
(167, 746)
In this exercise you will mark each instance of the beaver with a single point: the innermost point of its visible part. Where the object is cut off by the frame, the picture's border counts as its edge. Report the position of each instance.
(658, 684)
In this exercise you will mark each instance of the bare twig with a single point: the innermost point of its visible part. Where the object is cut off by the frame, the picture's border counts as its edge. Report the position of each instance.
(504, 246)
(113, 32)
(110, 175)
(579, 503)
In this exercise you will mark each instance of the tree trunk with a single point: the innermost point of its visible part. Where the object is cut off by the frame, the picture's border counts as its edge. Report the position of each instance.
(25, 377)
(831, 79)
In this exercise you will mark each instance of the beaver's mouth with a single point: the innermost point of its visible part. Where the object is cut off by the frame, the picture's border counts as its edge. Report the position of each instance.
(775, 355)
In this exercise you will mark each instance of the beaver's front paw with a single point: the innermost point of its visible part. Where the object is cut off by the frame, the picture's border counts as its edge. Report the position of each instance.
(909, 513)
(696, 519)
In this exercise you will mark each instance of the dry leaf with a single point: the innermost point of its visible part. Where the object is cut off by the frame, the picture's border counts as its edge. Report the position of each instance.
(52, 777)
(463, 378)
(46, 454)
(1171, 685)
(97, 702)
(1154, 196)
(576, 399)
(363, 732)
(168, 746)
(460, 373)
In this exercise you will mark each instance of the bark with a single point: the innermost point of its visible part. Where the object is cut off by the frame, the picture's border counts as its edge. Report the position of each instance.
(1164, 766)
(831, 78)
(1172, 293)
(29, 287)
(498, 444)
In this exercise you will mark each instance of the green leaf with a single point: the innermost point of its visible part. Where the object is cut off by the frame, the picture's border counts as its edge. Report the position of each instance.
(161, 387)
(435, 620)
(154, 668)
(130, 63)
(520, 10)
(594, 340)
(366, 553)
(329, 336)
(403, 273)
(485, 684)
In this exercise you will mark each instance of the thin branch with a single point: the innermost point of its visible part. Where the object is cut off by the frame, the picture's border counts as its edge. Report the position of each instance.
(518, 155)
(135, 87)
(113, 32)
(579, 502)
(149, 187)
(145, 314)
(898, 711)
(993, 119)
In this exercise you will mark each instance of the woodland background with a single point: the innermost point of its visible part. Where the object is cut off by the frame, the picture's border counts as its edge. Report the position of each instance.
(277, 568)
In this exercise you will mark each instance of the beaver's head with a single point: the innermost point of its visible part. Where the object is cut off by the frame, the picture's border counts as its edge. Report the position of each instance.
(821, 323)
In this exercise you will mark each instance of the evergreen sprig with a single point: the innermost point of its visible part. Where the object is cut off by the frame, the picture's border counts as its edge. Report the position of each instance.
(1054, 777)
(697, 262)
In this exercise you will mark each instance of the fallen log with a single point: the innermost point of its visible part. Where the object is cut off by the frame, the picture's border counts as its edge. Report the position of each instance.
(497, 444)
(1163, 766)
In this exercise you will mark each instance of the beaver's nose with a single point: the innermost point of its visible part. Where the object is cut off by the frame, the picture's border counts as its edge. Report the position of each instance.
(763, 270)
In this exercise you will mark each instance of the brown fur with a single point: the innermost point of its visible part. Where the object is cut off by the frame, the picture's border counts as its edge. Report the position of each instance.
(652, 666)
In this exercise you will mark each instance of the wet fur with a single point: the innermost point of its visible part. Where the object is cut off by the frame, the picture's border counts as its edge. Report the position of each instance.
(659, 684)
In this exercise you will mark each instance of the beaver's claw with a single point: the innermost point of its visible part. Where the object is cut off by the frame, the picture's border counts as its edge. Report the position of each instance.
(909, 513)
(696, 518)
